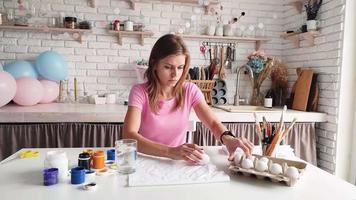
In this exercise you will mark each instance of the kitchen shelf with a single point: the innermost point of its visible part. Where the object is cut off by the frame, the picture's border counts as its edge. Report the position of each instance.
(76, 34)
(297, 37)
(258, 41)
(211, 3)
(140, 34)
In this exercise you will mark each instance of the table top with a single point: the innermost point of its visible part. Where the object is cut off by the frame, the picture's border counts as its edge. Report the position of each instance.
(115, 113)
(22, 179)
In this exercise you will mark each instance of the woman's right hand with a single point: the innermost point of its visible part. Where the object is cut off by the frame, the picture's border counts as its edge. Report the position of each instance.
(191, 153)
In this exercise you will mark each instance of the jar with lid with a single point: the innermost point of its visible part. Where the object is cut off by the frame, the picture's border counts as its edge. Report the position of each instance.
(70, 22)
(128, 25)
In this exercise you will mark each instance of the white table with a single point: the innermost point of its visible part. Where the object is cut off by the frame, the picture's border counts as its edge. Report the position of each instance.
(22, 179)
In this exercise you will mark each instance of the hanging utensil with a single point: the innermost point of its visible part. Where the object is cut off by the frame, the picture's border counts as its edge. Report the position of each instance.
(222, 68)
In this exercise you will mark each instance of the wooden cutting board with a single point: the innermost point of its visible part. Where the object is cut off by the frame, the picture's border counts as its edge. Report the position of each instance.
(302, 90)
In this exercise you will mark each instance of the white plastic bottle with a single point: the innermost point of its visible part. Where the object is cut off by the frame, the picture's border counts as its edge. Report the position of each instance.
(57, 159)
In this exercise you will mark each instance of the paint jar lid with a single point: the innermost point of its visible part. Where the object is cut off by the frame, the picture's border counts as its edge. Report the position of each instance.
(99, 153)
(84, 155)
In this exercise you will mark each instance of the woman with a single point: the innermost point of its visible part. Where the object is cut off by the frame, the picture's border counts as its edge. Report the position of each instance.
(158, 110)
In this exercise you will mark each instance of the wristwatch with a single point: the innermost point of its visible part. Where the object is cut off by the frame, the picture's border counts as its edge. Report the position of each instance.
(225, 133)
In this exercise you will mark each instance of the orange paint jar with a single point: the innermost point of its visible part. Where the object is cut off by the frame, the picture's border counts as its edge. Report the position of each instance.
(98, 160)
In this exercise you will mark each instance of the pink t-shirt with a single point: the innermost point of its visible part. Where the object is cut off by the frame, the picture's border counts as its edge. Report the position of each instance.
(167, 126)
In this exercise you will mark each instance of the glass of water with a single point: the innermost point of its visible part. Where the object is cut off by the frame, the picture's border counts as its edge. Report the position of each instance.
(126, 155)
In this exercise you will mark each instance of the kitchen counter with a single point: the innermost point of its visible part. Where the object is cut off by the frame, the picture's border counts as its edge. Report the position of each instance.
(62, 112)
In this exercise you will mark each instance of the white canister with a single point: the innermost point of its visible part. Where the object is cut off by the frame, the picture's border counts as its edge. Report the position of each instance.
(110, 98)
(128, 25)
(0, 19)
(219, 30)
(210, 29)
(57, 159)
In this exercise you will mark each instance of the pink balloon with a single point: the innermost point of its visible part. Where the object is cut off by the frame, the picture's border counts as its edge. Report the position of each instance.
(7, 88)
(29, 91)
(50, 92)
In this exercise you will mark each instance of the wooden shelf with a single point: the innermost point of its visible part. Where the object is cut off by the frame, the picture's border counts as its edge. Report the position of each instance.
(134, 2)
(140, 34)
(258, 41)
(297, 37)
(76, 34)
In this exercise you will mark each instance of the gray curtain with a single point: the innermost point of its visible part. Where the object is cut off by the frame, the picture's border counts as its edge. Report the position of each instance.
(301, 138)
(13, 137)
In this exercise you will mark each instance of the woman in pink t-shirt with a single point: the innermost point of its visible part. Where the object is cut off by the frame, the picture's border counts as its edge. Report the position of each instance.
(158, 110)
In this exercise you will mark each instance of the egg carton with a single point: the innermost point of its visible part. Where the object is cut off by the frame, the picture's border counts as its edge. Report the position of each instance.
(301, 166)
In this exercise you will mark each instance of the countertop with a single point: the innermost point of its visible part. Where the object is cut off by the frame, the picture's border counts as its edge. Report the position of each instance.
(22, 179)
(115, 113)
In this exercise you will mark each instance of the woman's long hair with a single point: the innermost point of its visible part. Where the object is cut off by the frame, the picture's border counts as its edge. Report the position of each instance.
(165, 46)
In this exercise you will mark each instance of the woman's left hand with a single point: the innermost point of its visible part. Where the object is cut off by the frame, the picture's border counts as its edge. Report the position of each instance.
(232, 143)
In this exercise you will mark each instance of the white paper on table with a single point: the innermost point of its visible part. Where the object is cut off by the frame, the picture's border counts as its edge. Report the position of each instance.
(151, 171)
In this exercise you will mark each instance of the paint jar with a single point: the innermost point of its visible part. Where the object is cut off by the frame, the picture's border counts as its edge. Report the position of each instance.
(84, 160)
(110, 154)
(77, 175)
(98, 160)
(57, 159)
(90, 176)
(50, 176)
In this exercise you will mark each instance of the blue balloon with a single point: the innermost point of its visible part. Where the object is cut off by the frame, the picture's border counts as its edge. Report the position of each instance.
(52, 66)
(21, 68)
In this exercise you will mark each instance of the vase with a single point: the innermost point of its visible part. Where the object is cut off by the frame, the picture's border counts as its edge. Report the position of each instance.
(257, 97)
(313, 25)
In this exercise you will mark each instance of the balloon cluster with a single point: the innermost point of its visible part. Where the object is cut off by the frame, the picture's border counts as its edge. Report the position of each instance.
(28, 84)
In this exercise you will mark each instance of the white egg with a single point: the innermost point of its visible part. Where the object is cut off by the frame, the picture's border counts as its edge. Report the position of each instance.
(275, 169)
(247, 163)
(239, 153)
(253, 158)
(264, 159)
(205, 160)
(292, 172)
(261, 166)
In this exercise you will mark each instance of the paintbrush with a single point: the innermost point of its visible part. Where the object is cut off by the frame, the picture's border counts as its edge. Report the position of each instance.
(258, 128)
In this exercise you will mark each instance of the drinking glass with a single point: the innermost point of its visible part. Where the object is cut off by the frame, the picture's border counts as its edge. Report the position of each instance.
(126, 155)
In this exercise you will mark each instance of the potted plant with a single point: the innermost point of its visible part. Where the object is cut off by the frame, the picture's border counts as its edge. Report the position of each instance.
(311, 8)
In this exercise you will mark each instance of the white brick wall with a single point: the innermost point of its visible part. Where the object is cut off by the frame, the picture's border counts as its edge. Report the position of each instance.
(324, 58)
(105, 66)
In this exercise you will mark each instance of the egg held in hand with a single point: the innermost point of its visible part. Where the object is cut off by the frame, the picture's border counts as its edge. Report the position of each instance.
(205, 159)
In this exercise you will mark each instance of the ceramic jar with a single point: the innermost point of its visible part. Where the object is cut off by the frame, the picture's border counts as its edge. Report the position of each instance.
(128, 25)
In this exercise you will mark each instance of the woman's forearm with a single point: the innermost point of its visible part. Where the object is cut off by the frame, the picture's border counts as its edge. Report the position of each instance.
(147, 146)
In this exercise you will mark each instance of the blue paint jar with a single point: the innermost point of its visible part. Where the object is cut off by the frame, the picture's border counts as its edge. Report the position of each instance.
(110, 154)
(77, 175)
(50, 176)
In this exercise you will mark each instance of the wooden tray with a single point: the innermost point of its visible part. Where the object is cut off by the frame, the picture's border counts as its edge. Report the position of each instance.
(301, 166)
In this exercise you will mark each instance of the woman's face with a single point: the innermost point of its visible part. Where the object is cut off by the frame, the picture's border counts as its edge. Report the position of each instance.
(170, 70)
